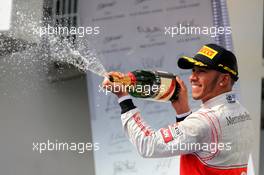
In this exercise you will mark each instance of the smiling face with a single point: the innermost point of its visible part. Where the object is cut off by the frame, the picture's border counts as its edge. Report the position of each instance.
(205, 83)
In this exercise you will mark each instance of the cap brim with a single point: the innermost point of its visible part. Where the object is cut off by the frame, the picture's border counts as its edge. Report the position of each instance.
(188, 63)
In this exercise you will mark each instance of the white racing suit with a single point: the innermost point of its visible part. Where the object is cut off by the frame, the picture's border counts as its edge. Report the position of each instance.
(216, 139)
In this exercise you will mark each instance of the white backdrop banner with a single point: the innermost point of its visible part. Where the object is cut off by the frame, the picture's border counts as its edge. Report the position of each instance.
(133, 36)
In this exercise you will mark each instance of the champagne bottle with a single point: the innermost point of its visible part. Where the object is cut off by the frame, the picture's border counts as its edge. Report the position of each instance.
(151, 85)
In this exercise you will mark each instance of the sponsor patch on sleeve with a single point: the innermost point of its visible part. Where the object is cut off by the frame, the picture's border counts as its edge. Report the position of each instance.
(166, 134)
(231, 98)
(177, 132)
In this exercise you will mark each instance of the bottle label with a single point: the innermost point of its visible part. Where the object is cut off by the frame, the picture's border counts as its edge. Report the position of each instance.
(166, 89)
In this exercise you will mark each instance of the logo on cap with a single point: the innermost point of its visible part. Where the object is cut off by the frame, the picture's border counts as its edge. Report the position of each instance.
(208, 52)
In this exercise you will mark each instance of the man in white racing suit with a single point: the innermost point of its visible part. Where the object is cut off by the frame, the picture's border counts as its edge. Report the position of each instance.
(217, 138)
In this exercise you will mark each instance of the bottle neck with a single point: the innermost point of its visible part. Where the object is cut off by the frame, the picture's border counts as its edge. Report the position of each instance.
(128, 79)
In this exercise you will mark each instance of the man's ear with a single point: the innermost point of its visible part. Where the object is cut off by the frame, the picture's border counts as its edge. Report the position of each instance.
(224, 80)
